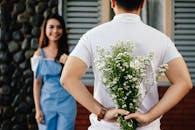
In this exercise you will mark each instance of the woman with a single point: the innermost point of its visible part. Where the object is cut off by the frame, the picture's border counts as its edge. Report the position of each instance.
(55, 107)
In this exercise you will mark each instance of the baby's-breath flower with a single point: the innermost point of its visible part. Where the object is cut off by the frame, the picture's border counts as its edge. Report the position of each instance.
(161, 70)
(122, 75)
(124, 106)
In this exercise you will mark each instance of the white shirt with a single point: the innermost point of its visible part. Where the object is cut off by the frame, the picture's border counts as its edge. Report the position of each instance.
(124, 27)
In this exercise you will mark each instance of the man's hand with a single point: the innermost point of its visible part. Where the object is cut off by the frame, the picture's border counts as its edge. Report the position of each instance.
(142, 118)
(111, 114)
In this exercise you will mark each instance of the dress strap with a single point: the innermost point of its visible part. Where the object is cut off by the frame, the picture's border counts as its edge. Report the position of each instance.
(42, 53)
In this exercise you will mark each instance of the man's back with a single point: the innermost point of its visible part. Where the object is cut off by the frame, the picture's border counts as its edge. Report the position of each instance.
(125, 27)
(129, 27)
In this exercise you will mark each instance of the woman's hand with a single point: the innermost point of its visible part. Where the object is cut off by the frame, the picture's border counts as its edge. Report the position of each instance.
(39, 117)
(63, 58)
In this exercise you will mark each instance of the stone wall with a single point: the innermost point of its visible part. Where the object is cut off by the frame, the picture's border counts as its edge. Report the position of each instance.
(20, 22)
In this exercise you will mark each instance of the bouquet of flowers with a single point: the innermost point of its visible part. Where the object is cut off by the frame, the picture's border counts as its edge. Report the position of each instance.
(122, 75)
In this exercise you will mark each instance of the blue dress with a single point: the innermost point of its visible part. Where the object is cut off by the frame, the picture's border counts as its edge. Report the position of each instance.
(58, 106)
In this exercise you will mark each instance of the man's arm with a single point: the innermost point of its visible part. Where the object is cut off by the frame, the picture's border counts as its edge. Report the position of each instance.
(72, 73)
(180, 80)
(71, 80)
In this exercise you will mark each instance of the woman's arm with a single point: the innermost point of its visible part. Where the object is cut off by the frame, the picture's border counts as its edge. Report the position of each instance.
(37, 83)
(36, 93)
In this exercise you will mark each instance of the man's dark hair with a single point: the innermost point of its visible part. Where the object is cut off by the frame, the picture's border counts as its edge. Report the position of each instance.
(129, 5)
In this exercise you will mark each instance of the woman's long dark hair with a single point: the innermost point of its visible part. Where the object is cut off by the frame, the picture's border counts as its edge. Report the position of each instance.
(62, 43)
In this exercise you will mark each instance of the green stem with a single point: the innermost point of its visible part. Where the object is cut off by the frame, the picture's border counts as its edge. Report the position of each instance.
(130, 124)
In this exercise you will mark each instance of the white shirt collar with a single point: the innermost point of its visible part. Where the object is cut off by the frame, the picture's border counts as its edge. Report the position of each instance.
(127, 17)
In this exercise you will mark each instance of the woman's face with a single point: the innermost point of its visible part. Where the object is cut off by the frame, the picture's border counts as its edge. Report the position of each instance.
(54, 30)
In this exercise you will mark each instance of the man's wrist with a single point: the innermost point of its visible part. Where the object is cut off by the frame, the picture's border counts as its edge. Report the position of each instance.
(151, 116)
(101, 114)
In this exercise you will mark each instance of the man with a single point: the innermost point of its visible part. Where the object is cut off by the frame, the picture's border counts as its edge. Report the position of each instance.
(126, 26)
